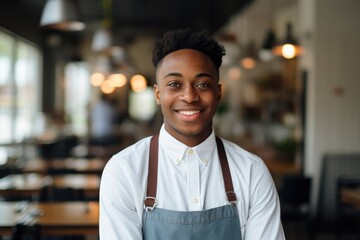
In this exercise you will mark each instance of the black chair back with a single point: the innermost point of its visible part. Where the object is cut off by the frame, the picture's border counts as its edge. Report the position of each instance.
(26, 232)
(55, 194)
(334, 166)
(295, 197)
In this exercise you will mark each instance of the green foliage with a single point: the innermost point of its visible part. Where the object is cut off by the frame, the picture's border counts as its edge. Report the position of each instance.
(287, 148)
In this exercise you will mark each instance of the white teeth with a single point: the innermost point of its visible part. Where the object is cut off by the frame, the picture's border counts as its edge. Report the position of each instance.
(188, 113)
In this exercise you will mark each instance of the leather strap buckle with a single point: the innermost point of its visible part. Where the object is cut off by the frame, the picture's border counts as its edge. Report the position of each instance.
(149, 204)
(231, 196)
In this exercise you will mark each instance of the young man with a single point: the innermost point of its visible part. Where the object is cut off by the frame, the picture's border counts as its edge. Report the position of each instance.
(185, 183)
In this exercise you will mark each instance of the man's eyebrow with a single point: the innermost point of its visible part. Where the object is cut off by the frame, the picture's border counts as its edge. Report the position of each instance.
(204, 75)
(175, 74)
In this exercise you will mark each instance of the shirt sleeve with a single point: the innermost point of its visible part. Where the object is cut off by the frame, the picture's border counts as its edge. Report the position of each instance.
(264, 213)
(119, 219)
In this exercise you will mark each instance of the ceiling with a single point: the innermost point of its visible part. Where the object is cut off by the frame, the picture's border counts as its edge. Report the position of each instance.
(140, 17)
(134, 24)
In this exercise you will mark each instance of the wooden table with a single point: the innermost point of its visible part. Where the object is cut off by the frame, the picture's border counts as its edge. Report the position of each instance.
(90, 183)
(351, 197)
(66, 218)
(32, 183)
(22, 184)
(74, 165)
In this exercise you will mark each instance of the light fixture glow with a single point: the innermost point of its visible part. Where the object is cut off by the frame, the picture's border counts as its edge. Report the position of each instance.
(248, 63)
(106, 87)
(138, 83)
(117, 80)
(234, 73)
(288, 48)
(288, 51)
(97, 79)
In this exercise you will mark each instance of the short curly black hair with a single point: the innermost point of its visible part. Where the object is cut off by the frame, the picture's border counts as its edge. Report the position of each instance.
(187, 39)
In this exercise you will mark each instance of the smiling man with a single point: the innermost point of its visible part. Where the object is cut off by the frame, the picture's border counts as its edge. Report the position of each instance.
(185, 182)
(188, 92)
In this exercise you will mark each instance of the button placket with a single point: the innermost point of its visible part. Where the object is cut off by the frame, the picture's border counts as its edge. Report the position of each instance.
(194, 180)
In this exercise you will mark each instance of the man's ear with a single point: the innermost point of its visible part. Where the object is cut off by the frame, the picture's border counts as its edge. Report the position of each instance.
(157, 94)
(219, 92)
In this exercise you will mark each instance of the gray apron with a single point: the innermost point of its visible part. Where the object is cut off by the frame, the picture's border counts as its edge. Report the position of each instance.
(221, 223)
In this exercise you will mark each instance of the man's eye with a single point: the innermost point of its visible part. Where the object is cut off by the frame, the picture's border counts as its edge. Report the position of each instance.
(203, 85)
(173, 84)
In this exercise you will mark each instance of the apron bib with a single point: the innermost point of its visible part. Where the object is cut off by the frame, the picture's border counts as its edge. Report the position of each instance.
(221, 223)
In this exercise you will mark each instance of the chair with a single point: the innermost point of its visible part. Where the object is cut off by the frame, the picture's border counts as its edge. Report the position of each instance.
(333, 167)
(294, 194)
(295, 197)
(348, 217)
(61, 148)
(55, 194)
(59, 171)
(26, 232)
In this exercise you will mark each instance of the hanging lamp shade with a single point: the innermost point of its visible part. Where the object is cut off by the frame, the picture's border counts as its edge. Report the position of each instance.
(288, 48)
(61, 15)
(269, 43)
(250, 56)
(102, 40)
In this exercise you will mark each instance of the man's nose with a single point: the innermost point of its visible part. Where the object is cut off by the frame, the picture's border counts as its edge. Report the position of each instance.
(189, 94)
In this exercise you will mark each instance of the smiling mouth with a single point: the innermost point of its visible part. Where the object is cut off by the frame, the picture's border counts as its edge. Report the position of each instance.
(189, 113)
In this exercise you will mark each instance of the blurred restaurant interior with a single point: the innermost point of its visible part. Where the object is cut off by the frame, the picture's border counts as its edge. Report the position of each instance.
(297, 108)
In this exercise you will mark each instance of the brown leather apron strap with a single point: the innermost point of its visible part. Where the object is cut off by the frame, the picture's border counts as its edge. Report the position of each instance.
(150, 200)
(226, 172)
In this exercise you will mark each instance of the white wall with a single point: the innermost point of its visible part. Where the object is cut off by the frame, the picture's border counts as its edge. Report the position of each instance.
(332, 61)
(330, 33)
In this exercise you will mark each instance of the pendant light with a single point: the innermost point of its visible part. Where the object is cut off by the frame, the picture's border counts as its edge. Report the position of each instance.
(102, 40)
(61, 15)
(250, 54)
(288, 48)
(265, 52)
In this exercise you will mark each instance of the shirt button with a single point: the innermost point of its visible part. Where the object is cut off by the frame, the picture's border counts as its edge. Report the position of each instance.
(204, 160)
(190, 151)
(195, 200)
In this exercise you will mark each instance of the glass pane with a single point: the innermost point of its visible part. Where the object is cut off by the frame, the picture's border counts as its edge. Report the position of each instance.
(19, 88)
(6, 90)
(142, 105)
(77, 96)
(27, 80)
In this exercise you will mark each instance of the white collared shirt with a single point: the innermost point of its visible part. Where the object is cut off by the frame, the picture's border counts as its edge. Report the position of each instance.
(189, 179)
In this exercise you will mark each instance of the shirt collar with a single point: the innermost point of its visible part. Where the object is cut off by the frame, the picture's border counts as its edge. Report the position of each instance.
(176, 149)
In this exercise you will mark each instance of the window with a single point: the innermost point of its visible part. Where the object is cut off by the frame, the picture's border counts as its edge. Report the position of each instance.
(142, 105)
(19, 87)
(77, 96)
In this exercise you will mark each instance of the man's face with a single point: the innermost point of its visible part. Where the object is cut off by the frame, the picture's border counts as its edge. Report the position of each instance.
(188, 92)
